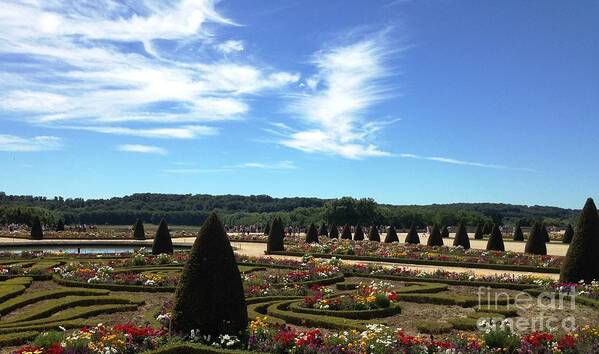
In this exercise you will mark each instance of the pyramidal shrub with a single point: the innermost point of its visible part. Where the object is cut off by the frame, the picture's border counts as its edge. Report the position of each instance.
(60, 225)
(373, 234)
(478, 233)
(333, 232)
(267, 229)
(461, 237)
(346, 232)
(444, 232)
(312, 234)
(209, 296)
(37, 233)
(359, 233)
(138, 230)
(536, 241)
(580, 262)
(487, 228)
(391, 235)
(518, 235)
(412, 236)
(495, 242)
(568, 234)
(545, 233)
(162, 241)
(435, 238)
(276, 236)
(323, 230)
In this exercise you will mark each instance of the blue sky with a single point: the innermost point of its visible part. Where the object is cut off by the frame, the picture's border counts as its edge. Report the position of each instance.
(408, 102)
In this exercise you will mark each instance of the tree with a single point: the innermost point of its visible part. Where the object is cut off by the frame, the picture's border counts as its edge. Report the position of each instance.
(478, 233)
(391, 235)
(435, 238)
(580, 262)
(312, 234)
(37, 233)
(536, 241)
(60, 225)
(568, 234)
(276, 236)
(487, 228)
(333, 232)
(545, 233)
(346, 232)
(373, 234)
(209, 296)
(461, 237)
(412, 236)
(358, 233)
(267, 229)
(323, 230)
(518, 235)
(444, 232)
(495, 242)
(138, 230)
(162, 241)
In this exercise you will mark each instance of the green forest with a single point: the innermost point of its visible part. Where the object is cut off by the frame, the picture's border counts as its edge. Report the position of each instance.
(188, 209)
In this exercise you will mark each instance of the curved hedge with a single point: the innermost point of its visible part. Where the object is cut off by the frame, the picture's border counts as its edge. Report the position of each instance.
(33, 297)
(11, 339)
(280, 310)
(114, 287)
(190, 348)
(350, 314)
(433, 327)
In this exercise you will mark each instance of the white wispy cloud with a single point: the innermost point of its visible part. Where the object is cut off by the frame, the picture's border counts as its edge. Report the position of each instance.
(101, 62)
(464, 163)
(333, 109)
(144, 149)
(182, 132)
(15, 143)
(278, 165)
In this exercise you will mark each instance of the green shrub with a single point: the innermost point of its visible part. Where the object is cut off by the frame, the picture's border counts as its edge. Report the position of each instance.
(478, 233)
(162, 241)
(37, 232)
(568, 234)
(461, 237)
(138, 230)
(373, 234)
(580, 262)
(323, 230)
(495, 242)
(435, 238)
(312, 234)
(347, 286)
(444, 232)
(391, 235)
(346, 232)
(536, 241)
(545, 233)
(210, 296)
(276, 236)
(358, 233)
(382, 301)
(518, 235)
(18, 338)
(433, 327)
(46, 339)
(333, 232)
(502, 339)
(412, 236)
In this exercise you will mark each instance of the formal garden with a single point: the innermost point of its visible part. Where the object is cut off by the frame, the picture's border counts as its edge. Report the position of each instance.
(354, 292)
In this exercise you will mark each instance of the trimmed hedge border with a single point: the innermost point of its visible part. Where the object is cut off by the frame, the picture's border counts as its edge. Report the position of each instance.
(579, 299)
(445, 299)
(7, 292)
(33, 297)
(189, 348)
(279, 310)
(347, 285)
(259, 310)
(502, 310)
(260, 299)
(433, 327)
(393, 309)
(464, 323)
(76, 323)
(325, 281)
(40, 277)
(425, 262)
(114, 287)
(10, 339)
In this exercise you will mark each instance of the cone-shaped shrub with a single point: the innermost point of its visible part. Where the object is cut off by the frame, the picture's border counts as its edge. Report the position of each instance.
(487, 228)
(312, 234)
(444, 232)
(536, 241)
(346, 233)
(138, 230)
(60, 225)
(581, 259)
(267, 229)
(323, 230)
(545, 233)
(495, 242)
(568, 234)
(162, 241)
(209, 296)
(435, 238)
(391, 235)
(359, 233)
(412, 236)
(461, 237)
(37, 233)
(478, 233)
(276, 236)
(518, 235)
(373, 234)
(334, 233)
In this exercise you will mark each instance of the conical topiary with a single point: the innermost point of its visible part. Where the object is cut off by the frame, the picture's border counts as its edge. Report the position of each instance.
(444, 232)
(536, 241)
(545, 233)
(568, 234)
(60, 225)
(487, 228)
(333, 232)
(346, 232)
(162, 241)
(435, 239)
(312, 234)
(138, 230)
(276, 237)
(267, 229)
(478, 233)
(358, 233)
(412, 236)
(495, 242)
(323, 230)
(210, 296)
(373, 234)
(518, 235)
(37, 233)
(461, 237)
(580, 262)
(391, 235)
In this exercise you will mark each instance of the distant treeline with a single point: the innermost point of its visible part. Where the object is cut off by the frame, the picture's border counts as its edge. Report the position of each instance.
(187, 209)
